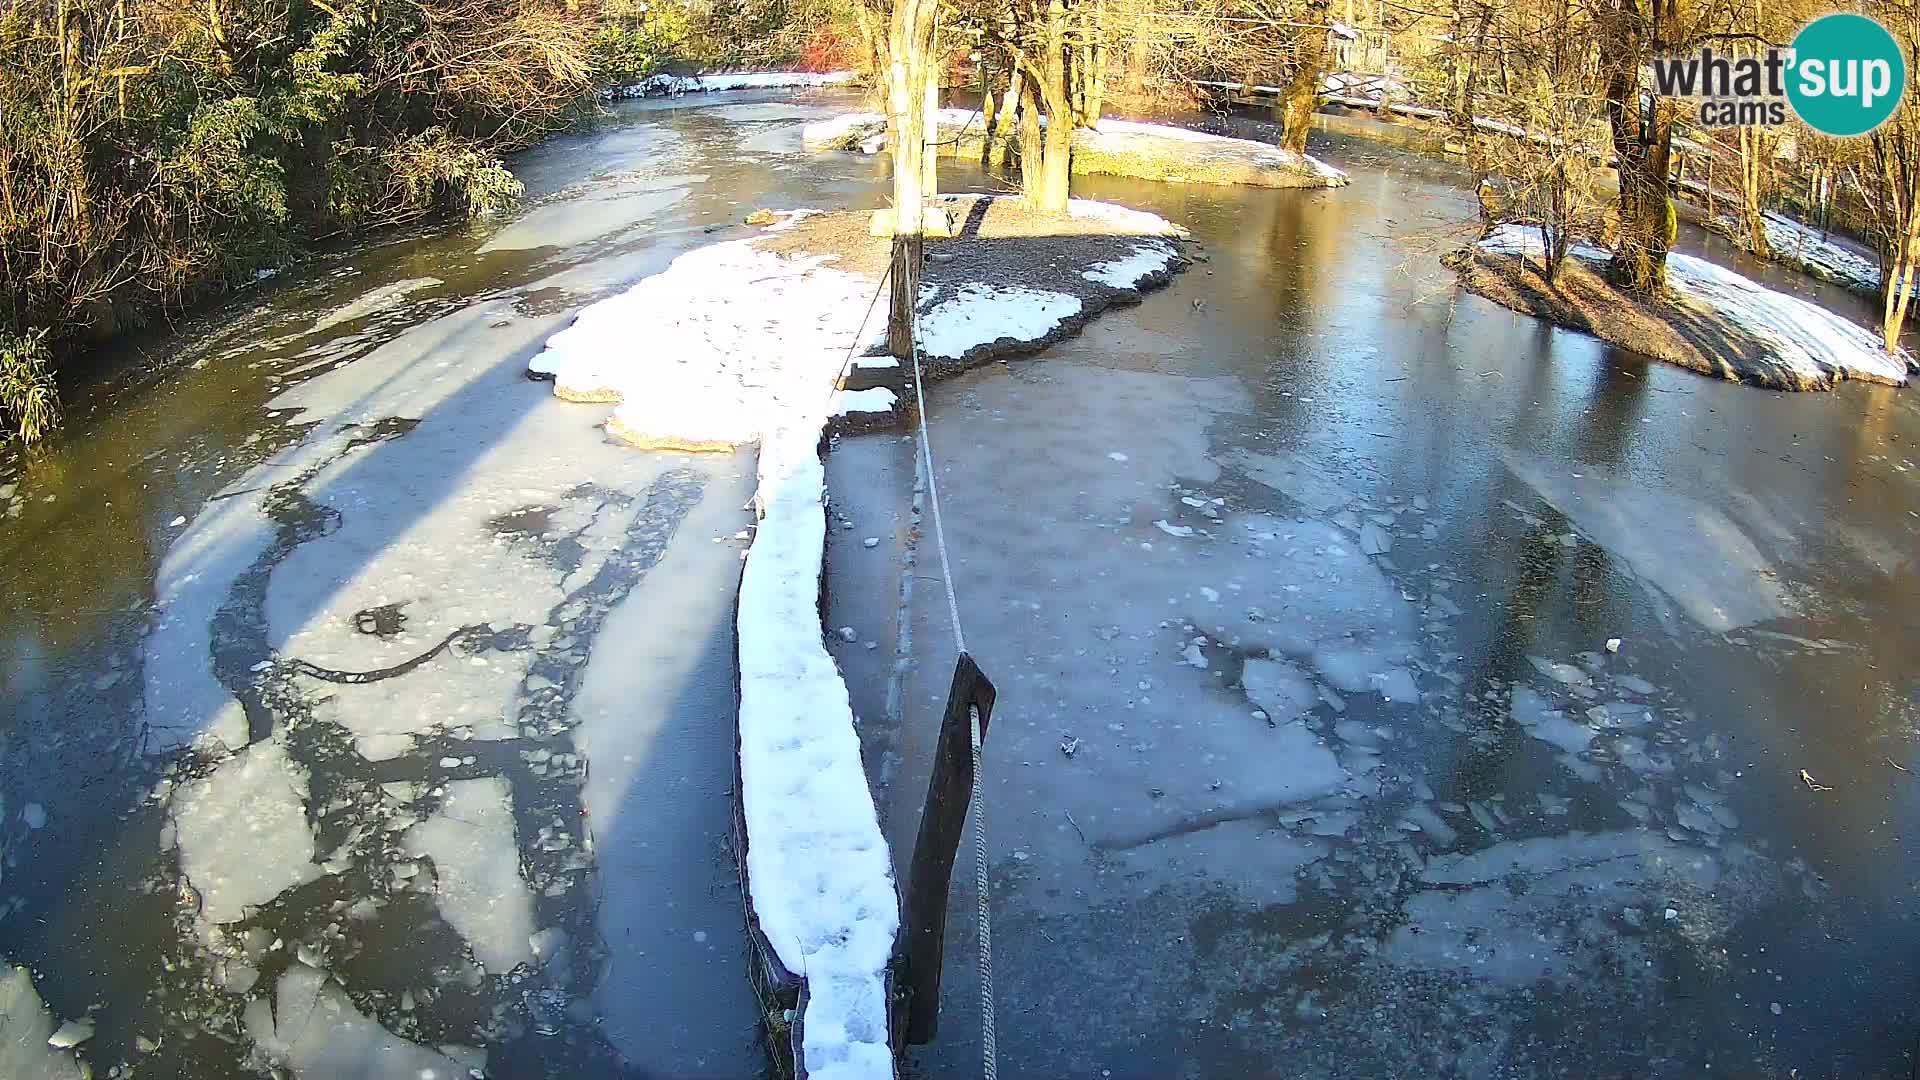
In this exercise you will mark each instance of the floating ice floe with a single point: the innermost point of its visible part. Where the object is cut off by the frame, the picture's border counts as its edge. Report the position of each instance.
(243, 832)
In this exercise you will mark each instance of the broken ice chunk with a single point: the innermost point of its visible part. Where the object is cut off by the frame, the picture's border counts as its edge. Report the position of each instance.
(1278, 688)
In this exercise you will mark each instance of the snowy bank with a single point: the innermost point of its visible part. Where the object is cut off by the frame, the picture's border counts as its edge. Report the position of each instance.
(745, 341)
(674, 85)
(1116, 148)
(1810, 250)
(1714, 320)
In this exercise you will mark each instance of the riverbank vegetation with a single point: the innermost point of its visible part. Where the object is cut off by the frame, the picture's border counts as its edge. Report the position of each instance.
(154, 152)
(157, 150)
(1551, 101)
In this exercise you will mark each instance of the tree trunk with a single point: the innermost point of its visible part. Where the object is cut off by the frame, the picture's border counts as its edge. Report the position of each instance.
(1467, 76)
(1899, 295)
(989, 111)
(1031, 150)
(1051, 198)
(873, 34)
(911, 83)
(1903, 193)
(1010, 106)
(1056, 168)
(1303, 90)
(1642, 147)
(1755, 152)
(1097, 93)
(1045, 161)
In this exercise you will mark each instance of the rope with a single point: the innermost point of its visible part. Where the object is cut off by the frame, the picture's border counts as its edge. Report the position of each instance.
(846, 362)
(989, 1053)
(976, 804)
(933, 497)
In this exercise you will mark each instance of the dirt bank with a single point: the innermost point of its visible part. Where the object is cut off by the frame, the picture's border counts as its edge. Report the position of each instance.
(1710, 319)
(1009, 283)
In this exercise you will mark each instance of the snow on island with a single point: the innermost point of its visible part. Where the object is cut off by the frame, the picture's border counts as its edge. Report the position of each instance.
(1116, 148)
(732, 80)
(1813, 252)
(735, 344)
(1715, 321)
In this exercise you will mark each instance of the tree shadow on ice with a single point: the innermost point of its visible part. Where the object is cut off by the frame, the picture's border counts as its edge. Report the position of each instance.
(402, 447)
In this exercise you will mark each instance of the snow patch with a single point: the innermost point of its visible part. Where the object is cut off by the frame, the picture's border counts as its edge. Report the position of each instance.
(817, 863)
(1126, 136)
(878, 399)
(1124, 218)
(716, 371)
(981, 314)
(840, 130)
(1817, 344)
(1128, 272)
(735, 80)
(867, 132)
(1812, 251)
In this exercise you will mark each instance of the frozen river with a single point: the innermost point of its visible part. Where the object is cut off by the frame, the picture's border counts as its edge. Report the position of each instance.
(1391, 685)
(367, 710)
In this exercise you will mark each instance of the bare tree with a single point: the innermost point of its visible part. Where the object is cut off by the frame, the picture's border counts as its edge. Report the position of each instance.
(1896, 202)
(1539, 161)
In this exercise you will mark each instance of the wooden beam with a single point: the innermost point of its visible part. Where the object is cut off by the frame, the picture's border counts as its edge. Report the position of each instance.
(941, 822)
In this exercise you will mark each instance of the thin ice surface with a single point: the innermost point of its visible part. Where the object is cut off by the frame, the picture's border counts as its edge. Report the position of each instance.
(1696, 555)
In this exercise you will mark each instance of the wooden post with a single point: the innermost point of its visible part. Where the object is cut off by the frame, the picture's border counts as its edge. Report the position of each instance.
(905, 284)
(941, 823)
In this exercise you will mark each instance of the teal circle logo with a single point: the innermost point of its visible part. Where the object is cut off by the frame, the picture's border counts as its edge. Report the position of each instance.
(1846, 75)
